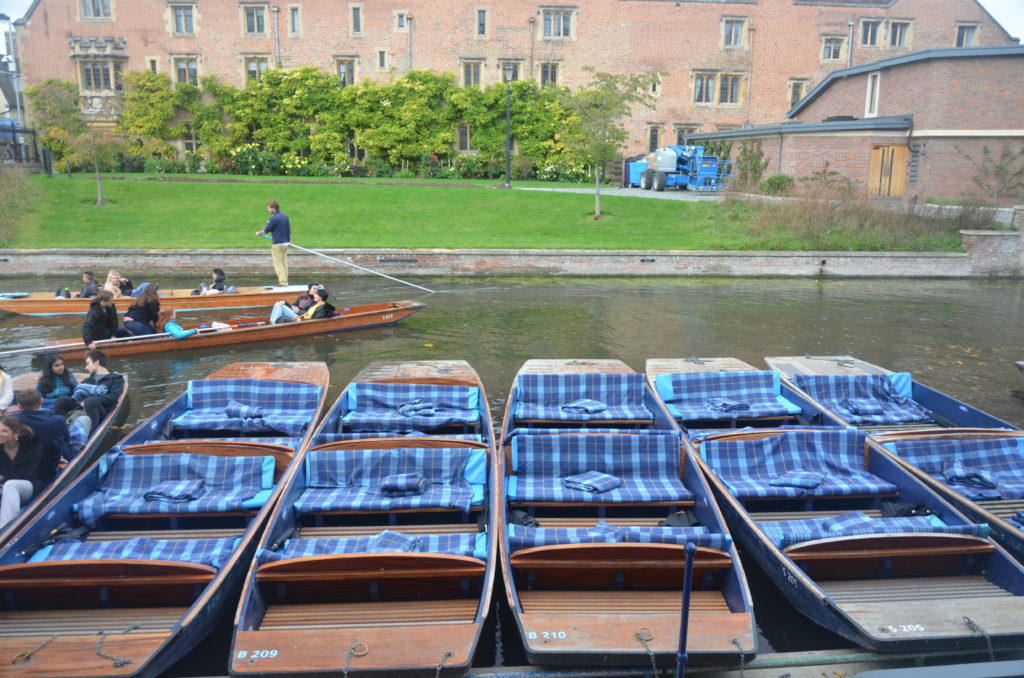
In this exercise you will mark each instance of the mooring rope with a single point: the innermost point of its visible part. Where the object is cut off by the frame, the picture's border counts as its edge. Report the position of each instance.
(973, 625)
(448, 654)
(353, 651)
(118, 661)
(25, 656)
(743, 655)
(644, 634)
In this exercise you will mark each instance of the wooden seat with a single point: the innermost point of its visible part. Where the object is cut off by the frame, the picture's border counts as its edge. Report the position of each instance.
(349, 567)
(282, 454)
(356, 615)
(890, 546)
(618, 602)
(369, 530)
(88, 622)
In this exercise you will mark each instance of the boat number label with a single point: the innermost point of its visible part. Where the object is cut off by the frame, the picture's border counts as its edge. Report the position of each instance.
(387, 316)
(547, 635)
(902, 628)
(257, 654)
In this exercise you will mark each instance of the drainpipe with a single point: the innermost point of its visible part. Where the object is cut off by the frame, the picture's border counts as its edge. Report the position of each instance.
(849, 45)
(750, 72)
(533, 27)
(277, 34)
(782, 140)
(408, 23)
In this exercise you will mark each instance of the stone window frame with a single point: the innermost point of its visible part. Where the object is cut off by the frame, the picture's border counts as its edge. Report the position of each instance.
(907, 27)
(739, 35)
(87, 10)
(712, 97)
(653, 133)
(684, 130)
(961, 30)
(548, 72)
(266, 59)
(382, 61)
(112, 74)
(826, 41)
(796, 84)
(565, 14)
(294, 20)
(517, 65)
(400, 23)
(464, 139)
(191, 18)
(876, 32)
(351, 63)
(175, 73)
(355, 20)
(474, 66)
(485, 13)
(259, 11)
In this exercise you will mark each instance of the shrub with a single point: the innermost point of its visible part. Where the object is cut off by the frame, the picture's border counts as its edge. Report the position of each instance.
(131, 163)
(778, 184)
(157, 165)
(193, 162)
(564, 171)
(378, 167)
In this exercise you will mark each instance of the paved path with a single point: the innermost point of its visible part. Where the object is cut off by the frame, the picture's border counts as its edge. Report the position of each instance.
(613, 191)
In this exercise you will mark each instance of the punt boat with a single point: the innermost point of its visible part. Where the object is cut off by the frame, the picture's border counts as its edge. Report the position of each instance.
(43, 303)
(380, 557)
(862, 547)
(244, 330)
(979, 471)
(598, 509)
(124, 572)
(89, 446)
(870, 397)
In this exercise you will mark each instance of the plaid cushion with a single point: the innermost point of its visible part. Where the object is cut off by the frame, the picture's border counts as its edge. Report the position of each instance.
(748, 466)
(79, 430)
(451, 544)
(785, 533)
(1001, 458)
(375, 406)
(836, 391)
(286, 407)
(227, 481)
(692, 395)
(213, 552)
(521, 537)
(541, 396)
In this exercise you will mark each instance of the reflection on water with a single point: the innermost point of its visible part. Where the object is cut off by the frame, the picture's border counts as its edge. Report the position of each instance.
(960, 337)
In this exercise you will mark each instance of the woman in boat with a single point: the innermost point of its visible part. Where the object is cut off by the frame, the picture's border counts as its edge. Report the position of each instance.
(113, 284)
(283, 311)
(142, 316)
(217, 286)
(169, 324)
(6, 390)
(55, 380)
(27, 465)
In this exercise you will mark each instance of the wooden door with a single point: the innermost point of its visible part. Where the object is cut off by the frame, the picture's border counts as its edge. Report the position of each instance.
(887, 171)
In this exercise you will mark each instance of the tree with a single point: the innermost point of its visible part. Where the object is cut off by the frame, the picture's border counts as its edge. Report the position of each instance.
(600, 111)
(750, 164)
(1002, 176)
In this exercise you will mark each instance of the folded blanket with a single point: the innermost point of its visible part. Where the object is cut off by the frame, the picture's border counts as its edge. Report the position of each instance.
(592, 481)
(238, 410)
(863, 406)
(404, 485)
(83, 391)
(958, 473)
(176, 490)
(417, 408)
(392, 542)
(727, 405)
(584, 406)
(807, 480)
(847, 521)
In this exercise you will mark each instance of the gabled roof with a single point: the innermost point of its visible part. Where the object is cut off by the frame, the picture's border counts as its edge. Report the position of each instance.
(884, 123)
(904, 59)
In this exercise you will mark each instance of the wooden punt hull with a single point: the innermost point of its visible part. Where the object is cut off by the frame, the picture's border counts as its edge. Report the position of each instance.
(598, 625)
(326, 627)
(43, 303)
(245, 331)
(945, 409)
(86, 456)
(921, 606)
(55, 610)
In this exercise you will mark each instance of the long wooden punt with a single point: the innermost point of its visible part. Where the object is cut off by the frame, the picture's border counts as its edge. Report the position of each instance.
(799, 410)
(121, 606)
(361, 608)
(885, 588)
(71, 468)
(43, 303)
(939, 409)
(1005, 516)
(618, 599)
(245, 330)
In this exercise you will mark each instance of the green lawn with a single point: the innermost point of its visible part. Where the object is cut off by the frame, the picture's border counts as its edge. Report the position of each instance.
(386, 213)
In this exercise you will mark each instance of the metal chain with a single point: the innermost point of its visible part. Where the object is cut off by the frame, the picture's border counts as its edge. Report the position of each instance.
(743, 655)
(353, 653)
(644, 634)
(973, 625)
(25, 656)
(445, 657)
(118, 661)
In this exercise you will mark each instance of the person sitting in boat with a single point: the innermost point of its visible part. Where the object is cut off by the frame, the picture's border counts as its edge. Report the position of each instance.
(6, 390)
(283, 312)
(142, 316)
(100, 391)
(113, 284)
(303, 301)
(55, 380)
(217, 285)
(44, 423)
(89, 288)
(101, 320)
(28, 463)
(169, 324)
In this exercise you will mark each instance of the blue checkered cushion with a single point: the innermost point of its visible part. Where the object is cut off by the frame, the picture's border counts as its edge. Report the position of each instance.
(374, 406)
(834, 392)
(1000, 458)
(521, 537)
(385, 542)
(647, 464)
(287, 407)
(227, 482)
(540, 397)
(690, 395)
(350, 480)
(213, 552)
(747, 467)
(1017, 520)
(785, 533)
(79, 430)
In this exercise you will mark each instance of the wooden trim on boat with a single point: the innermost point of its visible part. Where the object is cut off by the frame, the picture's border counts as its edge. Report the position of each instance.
(915, 545)
(218, 448)
(370, 566)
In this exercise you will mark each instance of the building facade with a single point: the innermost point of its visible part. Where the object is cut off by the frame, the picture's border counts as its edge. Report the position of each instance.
(726, 63)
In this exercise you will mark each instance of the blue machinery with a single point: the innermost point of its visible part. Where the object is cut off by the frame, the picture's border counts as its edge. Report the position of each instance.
(682, 166)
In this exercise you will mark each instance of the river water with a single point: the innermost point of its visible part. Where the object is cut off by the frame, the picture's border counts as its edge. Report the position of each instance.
(959, 336)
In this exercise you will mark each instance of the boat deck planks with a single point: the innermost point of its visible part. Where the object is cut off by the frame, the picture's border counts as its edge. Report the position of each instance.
(421, 371)
(903, 588)
(793, 365)
(69, 622)
(342, 615)
(75, 655)
(619, 602)
(588, 366)
(658, 366)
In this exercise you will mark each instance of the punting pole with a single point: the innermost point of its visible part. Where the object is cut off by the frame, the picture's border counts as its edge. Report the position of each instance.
(349, 263)
(684, 613)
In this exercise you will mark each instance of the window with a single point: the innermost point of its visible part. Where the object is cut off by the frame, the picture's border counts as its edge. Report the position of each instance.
(98, 76)
(704, 89)
(183, 19)
(727, 84)
(509, 77)
(190, 143)
(729, 89)
(965, 35)
(733, 33)
(402, 20)
(382, 60)
(470, 73)
(869, 33)
(294, 25)
(549, 74)
(152, 65)
(255, 67)
(346, 72)
(557, 23)
(255, 20)
(832, 49)
(796, 91)
(871, 104)
(187, 70)
(481, 22)
(95, 9)
(652, 139)
(357, 20)
(465, 139)
(898, 32)
(683, 132)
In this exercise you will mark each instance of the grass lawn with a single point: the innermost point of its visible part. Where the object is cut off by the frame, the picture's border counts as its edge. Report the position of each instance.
(386, 213)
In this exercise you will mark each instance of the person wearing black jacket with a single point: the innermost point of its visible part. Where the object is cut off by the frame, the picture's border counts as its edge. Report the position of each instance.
(142, 316)
(28, 464)
(283, 311)
(99, 392)
(44, 423)
(101, 320)
(89, 287)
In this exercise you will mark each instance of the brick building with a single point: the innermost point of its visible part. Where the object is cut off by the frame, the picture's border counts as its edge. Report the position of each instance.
(912, 126)
(728, 63)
